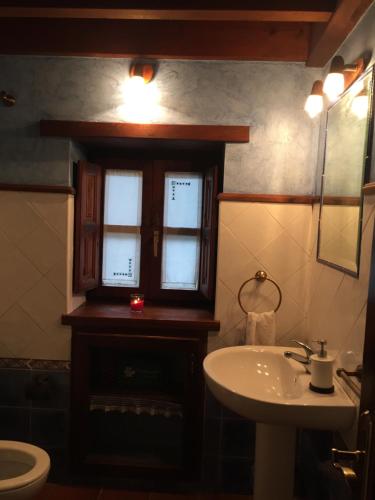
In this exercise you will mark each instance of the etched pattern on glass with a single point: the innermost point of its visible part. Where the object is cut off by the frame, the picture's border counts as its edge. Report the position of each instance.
(181, 231)
(122, 221)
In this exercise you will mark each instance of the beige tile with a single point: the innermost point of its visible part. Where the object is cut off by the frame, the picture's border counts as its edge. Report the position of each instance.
(300, 230)
(236, 335)
(255, 228)
(17, 217)
(298, 286)
(234, 262)
(57, 275)
(53, 208)
(17, 274)
(43, 248)
(288, 316)
(5, 352)
(215, 342)
(230, 211)
(351, 350)
(45, 304)
(227, 309)
(283, 257)
(19, 333)
(285, 213)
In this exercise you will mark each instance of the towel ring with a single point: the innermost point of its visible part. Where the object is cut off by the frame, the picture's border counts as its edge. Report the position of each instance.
(259, 276)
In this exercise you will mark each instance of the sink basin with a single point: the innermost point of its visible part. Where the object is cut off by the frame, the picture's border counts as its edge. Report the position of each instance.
(259, 383)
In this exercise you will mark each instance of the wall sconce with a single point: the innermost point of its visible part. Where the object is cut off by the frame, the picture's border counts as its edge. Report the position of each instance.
(140, 93)
(7, 99)
(144, 72)
(314, 102)
(340, 76)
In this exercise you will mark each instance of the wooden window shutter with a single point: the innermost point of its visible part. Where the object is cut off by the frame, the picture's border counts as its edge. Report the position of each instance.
(209, 233)
(87, 227)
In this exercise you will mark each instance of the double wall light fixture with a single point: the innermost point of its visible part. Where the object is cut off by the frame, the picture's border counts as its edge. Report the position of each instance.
(339, 77)
(7, 99)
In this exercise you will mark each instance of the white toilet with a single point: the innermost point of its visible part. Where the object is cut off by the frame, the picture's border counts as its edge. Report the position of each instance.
(23, 470)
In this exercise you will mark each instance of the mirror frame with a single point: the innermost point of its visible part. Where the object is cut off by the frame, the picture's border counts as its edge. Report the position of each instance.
(366, 169)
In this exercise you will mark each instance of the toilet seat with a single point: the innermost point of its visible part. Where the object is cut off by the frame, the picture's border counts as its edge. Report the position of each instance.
(39, 468)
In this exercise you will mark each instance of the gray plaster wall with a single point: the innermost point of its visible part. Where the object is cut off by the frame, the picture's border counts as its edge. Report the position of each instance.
(281, 154)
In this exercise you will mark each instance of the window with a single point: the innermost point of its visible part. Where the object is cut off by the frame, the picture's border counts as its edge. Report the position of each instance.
(148, 226)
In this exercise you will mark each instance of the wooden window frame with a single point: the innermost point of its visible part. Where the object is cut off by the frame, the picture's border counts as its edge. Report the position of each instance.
(152, 219)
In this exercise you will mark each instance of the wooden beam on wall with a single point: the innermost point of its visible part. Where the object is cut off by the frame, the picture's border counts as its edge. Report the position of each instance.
(158, 39)
(190, 14)
(326, 39)
(80, 130)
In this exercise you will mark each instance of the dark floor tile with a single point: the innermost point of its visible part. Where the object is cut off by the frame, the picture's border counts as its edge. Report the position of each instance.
(58, 492)
(236, 476)
(227, 413)
(213, 408)
(59, 472)
(13, 384)
(212, 436)
(15, 424)
(238, 438)
(174, 496)
(109, 494)
(211, 472)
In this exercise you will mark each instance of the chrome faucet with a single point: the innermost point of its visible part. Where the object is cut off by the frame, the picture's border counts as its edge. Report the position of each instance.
(305, 360)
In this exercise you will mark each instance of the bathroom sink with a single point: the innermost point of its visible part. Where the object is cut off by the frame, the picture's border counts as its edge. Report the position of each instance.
(259, 383)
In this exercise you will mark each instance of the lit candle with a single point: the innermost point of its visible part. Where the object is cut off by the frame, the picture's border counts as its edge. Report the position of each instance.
(137, 302)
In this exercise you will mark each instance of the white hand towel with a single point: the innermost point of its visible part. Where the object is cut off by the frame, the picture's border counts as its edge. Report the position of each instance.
(260, 328)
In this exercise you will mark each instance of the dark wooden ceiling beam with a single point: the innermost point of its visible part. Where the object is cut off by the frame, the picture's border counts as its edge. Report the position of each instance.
(189, 14)
(314, 5)
(326, 39)
(83, 130)
(156, 39)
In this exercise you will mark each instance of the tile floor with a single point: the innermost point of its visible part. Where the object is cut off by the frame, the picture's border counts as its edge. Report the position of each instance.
(58, 492)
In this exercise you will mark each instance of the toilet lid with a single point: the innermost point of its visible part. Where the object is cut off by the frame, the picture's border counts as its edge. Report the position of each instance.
(20, 452)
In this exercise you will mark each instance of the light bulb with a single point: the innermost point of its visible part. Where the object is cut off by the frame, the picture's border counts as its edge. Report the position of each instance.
(314, 105)
(333, 85)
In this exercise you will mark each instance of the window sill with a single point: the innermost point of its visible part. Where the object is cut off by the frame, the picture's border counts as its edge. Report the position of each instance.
(94, 314)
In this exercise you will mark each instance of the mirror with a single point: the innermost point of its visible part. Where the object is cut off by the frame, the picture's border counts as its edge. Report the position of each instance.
(346, 164)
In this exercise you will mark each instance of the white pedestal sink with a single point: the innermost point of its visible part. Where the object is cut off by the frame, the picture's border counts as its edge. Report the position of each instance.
(259, 383)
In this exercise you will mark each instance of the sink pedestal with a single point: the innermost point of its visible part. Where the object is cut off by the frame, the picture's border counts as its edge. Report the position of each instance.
(274, 462)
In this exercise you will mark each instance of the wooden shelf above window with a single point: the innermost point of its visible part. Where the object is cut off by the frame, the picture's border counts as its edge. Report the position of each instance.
(83, 130)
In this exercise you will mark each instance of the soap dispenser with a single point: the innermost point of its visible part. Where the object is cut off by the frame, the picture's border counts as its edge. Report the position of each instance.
(321, 370)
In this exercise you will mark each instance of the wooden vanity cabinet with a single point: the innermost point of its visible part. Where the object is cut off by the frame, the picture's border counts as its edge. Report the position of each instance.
(137, 390)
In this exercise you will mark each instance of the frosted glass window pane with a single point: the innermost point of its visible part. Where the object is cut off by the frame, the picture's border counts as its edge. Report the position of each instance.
(183, 199)
(180, 263)
(123, 197)
(121, 257)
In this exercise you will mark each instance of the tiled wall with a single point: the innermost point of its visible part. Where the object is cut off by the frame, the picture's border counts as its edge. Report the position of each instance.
(318, 301)
(337, 307)
(34, 257)
(263, 236)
